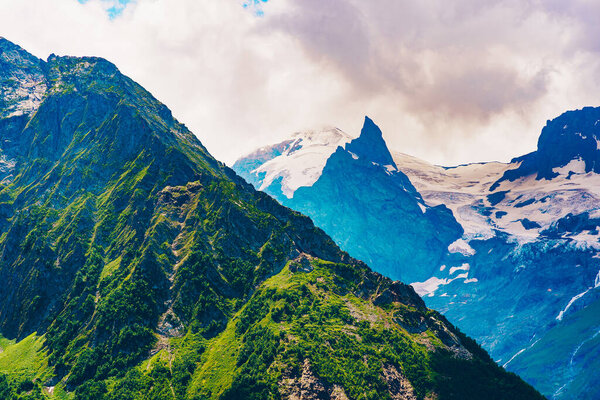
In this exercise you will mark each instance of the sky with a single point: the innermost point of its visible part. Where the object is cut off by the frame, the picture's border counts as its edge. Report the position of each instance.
(449, 82)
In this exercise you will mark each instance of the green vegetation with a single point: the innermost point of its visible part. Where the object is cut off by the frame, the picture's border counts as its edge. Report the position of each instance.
(150, 271)
(24, 371)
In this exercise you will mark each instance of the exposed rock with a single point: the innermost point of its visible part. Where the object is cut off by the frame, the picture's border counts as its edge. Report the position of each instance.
(311, 386)
(301, 263)
(338, 393)
(22, 81)
(370, 145)
(398, 386)
(398, 292)
(412, 322)
(573, 135)
(308, 386)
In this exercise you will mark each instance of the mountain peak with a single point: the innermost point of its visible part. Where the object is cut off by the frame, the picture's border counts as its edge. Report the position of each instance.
(10, 51)
(371, 125)
(22, 80)
(6, 46)
(573, 136)
(569, 144)
(4, 42)
(371, 145)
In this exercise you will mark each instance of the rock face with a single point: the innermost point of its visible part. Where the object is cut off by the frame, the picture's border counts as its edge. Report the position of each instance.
(371, 146)
(399, 387)
(490, 245)
(22, 80)
(306, 387)
(570, 142)
(148, 269)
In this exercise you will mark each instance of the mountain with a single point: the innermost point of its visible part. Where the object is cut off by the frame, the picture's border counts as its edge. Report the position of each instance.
(283, 168)
(531, 250)
(513, 256)
(349, 194)
(134, 265)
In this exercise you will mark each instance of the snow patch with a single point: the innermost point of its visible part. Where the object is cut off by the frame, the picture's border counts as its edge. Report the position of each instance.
(561, 314)
(464, 267)
(460, 276)
(429, 286)
(303, 160)
(577, 166)
(461, 246)
(432, 284)
(515, 356)
(595, 213)
(520, 352)
(585, 241)
(390, 169)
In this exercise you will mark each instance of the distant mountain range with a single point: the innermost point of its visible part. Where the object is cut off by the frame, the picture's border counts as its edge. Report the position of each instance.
(133, 265)
(509, 252)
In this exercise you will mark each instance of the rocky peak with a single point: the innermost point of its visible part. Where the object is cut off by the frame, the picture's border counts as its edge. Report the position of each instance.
(568, 144)
(13, 57)
(6, 44)
(22, 80)
(575, 135)
(371, 145)
(82, 65)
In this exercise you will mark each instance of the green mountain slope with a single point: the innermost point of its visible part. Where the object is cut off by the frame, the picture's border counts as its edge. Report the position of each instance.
(136, 266)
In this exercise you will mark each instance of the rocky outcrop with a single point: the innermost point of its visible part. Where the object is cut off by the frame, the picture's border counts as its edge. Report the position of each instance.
(22, 80)
(370, 145)
(398, 386)
(573, 136)
(308, 386)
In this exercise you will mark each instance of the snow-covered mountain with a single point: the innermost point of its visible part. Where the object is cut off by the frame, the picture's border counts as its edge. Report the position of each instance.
(350, 192)
(525, 277)
(508, 251)
(282, 168)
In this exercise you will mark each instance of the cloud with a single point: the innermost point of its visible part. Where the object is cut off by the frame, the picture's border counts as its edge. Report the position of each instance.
(451, 82)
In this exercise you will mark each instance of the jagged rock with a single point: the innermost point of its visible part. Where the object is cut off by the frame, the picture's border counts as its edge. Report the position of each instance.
(301, 264)
(398, 386)
(308, 386)
(399, 293)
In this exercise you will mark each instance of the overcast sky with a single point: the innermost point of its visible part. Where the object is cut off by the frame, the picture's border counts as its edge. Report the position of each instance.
(448, 81)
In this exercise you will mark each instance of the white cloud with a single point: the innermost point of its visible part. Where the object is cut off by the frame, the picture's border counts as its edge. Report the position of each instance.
(449, 82)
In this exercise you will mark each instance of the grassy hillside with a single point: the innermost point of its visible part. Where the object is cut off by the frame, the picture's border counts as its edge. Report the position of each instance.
(136, 266)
